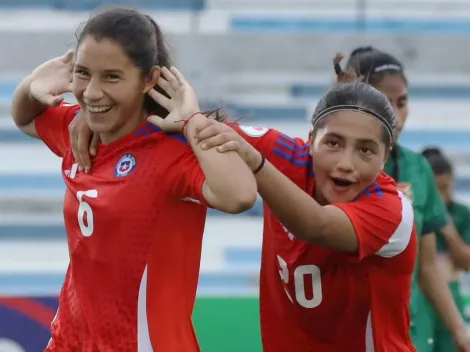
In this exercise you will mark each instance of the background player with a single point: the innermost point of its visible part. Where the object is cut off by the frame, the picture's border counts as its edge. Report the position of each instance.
(460, 215)
(135, 221)
(415, 179)
(336, 230)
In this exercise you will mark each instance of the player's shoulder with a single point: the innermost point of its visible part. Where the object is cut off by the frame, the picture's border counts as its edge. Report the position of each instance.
(413, 158)
(251, 131)
(64, 109)
(383, 195)
(383, 186)
(155, 138)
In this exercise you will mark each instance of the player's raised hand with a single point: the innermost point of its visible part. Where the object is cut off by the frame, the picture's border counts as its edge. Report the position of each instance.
(51, 79)
(225, 139)
(181, 105)
(343, 76)
(83, 142)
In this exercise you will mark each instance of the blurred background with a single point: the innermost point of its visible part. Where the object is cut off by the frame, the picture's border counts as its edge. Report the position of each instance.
(267, 59)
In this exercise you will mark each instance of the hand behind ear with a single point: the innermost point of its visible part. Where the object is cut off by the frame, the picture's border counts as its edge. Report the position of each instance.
(343, 76)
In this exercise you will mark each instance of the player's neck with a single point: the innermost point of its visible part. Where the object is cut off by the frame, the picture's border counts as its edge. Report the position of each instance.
(129, 125)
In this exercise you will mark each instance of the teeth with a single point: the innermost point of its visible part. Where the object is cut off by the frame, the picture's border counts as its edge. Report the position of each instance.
(99, 109)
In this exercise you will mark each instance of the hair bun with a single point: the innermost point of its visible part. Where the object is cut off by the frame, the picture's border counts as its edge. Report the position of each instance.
(430, 151)
(362, 49)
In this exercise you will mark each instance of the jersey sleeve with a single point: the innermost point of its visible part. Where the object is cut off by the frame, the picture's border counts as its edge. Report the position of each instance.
(435, 215)
(383, 222)
(52, 127)
(185, 175)
(281, 150)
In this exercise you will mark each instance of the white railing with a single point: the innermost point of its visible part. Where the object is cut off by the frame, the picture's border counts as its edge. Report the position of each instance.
(341, 5)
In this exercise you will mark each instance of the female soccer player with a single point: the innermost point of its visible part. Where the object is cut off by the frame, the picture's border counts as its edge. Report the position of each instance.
(135, 221)
(460, 214)
(339, 243)
(415, 179)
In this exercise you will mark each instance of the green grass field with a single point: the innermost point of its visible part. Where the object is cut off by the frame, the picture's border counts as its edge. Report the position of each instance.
(228, 324)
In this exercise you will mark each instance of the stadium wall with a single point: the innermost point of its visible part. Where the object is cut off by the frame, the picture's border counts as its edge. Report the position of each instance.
(214, 41)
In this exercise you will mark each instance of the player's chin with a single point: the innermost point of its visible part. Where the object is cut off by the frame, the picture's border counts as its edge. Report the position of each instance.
(100, 126)
(333, 196)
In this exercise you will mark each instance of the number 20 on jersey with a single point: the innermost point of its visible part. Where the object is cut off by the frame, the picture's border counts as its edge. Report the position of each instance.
(300, 273)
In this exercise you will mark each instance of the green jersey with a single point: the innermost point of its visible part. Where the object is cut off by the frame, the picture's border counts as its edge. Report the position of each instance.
(460, 214)
(415, 180)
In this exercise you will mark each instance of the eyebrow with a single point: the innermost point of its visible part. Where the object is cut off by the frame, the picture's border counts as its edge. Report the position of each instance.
(113, 70)
(360, 140)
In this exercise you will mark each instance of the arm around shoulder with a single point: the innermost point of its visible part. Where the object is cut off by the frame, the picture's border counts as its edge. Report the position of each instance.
(230, 185)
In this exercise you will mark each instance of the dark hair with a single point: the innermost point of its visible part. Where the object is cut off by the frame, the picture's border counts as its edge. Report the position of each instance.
(439, 163)
(140, 38)
(372, 65)
(358, 94)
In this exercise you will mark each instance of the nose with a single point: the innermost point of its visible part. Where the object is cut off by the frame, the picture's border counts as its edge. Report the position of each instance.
(93, 91)
(345, 162)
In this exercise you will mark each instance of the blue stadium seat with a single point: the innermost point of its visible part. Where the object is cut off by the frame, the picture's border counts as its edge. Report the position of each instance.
(415, 91)
(262, 112)
(87, 5)
(452, 140)
(235, 256)
(279, 23)
(50, 282)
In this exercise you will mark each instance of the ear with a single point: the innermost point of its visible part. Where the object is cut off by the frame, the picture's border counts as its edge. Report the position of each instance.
(387, 154)
(310, 142)
(152, 78)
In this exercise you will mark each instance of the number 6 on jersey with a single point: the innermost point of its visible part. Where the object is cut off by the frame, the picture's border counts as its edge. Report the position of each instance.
(84, 209)
(299, 283)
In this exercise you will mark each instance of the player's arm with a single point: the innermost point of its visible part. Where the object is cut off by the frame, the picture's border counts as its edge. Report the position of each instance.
(229, 184)
(458, 249)
(431, 282)
(360, 227)
(50, 80)
(24, 108)
(331, 226)
(48, 123)
(281, 150)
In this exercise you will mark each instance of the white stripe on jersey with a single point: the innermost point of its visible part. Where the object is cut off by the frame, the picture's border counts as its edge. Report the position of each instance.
(189, 199)
(398, 242)
(369, 335)
(143, 335)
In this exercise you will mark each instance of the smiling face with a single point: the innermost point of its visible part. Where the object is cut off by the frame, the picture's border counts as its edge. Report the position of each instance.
(110, 88)
(348, 153)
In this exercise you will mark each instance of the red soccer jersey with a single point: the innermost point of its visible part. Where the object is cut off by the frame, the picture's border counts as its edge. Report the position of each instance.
(314, 299)
(134, 230)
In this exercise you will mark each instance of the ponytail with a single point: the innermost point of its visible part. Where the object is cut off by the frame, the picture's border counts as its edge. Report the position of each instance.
(162, 59)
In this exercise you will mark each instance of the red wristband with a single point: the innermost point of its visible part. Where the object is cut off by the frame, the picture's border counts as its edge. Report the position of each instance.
(185, 122)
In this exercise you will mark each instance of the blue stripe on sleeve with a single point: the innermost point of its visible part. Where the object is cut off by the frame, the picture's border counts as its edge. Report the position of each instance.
(291, 157)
